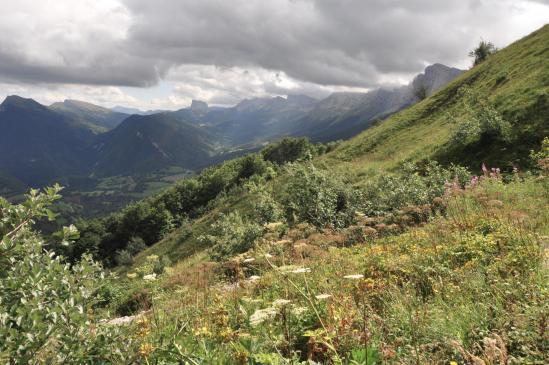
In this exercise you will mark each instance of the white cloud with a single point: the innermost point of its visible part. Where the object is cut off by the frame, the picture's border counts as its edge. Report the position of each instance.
(223, 51)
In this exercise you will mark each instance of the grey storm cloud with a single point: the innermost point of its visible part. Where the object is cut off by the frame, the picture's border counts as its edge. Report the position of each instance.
(104, 71)
(353, 43)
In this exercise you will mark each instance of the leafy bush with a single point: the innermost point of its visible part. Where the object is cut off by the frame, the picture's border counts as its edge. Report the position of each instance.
(317, 197)
(266, 208)
(231, 235)
(289, 150)
(481, 121)
(482, 52)
(124, 258)
(411, 186)
(541, 157)
(46, 306)
(136, 245)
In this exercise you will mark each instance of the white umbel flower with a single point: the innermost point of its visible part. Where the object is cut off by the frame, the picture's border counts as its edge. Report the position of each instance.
(150, 277)
(262, 315)
(354, 276)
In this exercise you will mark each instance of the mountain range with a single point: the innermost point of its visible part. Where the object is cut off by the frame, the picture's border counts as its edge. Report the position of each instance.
(43, 144)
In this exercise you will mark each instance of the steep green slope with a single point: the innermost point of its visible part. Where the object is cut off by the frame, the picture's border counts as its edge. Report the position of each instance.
(515, 80)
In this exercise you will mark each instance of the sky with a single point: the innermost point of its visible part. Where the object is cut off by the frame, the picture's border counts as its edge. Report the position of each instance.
(161, 54)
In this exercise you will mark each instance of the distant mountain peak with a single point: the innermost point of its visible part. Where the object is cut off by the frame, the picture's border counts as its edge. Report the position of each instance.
(433, 78)
(199, 107)
(301, 99)
(16, 101)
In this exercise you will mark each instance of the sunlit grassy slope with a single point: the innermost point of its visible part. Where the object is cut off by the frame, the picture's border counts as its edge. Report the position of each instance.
(516, 80)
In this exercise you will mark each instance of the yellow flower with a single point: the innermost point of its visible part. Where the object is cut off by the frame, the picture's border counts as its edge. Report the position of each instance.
(145, 349)
(453, 363)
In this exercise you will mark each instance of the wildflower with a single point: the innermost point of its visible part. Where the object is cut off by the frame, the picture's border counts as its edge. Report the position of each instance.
(282, 242)
(152, 258)
(254, 278)
(131, 275)
(227, 333)
(262, 315)
(202, 332)
(145, 349)
(297, 311)
(251, 300)
(281, 302)
(150, 277)
(301, 270)
(367, 284)
(273, 226)
(354, 276)
(323, 296)
(453, 363)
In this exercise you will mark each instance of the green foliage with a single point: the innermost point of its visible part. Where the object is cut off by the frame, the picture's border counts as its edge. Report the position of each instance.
(231, 234)
(481, 121)
(410, 186)
(123, 258)
(266, 208)
(136, 245)
(151, 219)
(315, 196)
(289, 150)
(46, 306)
(482, 52)
(541, 157)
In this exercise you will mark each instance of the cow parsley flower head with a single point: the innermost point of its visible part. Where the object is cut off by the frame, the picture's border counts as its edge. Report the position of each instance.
(301, 270)
(354, 276)
(281, 302)
(150, 277)
(262, 315)
(323, 296)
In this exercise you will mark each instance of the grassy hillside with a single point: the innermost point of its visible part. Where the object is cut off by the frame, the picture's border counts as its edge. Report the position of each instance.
(470, 286)
(515, 80)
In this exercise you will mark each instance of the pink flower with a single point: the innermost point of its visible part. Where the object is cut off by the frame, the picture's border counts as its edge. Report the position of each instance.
(484, 169)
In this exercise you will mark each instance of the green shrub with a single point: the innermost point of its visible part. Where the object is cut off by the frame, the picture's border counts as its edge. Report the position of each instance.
(481, 121)
(231, 235)
(124, 258)
(289, 150)
(410, 186)
(266, 208)
(317, 197)
(46, 306)
(136, 245)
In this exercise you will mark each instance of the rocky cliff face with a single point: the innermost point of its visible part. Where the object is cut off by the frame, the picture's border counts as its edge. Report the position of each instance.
(432, 79)
(199, 107)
